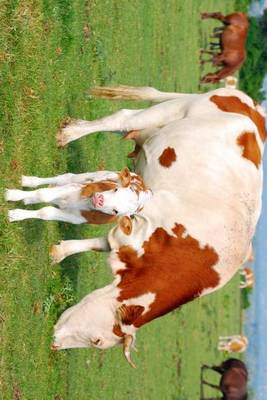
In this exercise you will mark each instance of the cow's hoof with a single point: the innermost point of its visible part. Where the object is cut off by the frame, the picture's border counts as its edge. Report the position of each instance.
(29, 181)
(16, 215)
(13, 195)
(61, 138)
(56, 253)
(65, 122)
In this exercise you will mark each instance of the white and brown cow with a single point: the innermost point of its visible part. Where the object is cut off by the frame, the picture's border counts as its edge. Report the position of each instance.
(201, 154)
(233, 343)
(247, 278)
(93, 197)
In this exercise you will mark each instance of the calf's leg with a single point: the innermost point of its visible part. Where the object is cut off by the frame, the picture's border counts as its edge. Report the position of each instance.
(46, 213)
(44, 195)
(60, 180)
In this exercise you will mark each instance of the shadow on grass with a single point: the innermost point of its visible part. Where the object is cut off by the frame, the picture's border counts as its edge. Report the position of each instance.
(70, 266)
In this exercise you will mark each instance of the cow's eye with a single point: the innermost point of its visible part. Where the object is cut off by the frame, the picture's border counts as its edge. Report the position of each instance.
(96, 342)
(115, 211)
(115, 190)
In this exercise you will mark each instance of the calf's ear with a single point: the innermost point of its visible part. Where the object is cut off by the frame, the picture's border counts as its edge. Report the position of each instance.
(97, 217)
(125, 177)
(102, 186)
(125, 223)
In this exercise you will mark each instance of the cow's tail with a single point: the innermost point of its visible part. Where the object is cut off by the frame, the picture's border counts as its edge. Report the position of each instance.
(123, 92)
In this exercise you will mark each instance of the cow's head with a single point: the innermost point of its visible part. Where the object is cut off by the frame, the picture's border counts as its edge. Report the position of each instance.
(117, 199)
(93, 322)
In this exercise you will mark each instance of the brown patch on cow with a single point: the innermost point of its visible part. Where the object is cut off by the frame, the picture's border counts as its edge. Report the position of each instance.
(97, 217)
(167, 157)
(237, 347)
(235, 105)
(117, 330)
(90, 188)
(127, 314)
(125, 223)
(251, 151)
(175, 268)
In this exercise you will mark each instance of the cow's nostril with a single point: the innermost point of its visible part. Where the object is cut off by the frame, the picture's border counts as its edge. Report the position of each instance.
(101, 199)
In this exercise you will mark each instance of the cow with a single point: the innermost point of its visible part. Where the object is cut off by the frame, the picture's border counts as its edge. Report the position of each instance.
(247, 278)
(201, 155)
(232, 43)
(230, 82)
(93, 197)
(233, 343)
(233, 382)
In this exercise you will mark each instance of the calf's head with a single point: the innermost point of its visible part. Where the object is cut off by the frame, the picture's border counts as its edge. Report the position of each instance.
(117, 199)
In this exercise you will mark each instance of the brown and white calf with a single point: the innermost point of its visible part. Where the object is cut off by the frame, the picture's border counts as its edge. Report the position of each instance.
(233, 344)
(93, 197)
(201, 154)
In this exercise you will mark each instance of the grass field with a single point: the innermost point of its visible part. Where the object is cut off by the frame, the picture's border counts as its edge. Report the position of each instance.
(51, 53)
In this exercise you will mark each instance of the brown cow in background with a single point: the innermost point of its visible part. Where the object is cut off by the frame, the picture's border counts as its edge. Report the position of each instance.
(233, 383)
(232, 43)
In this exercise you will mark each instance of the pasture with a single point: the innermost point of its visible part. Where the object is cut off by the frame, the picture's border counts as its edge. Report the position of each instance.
(51, 53)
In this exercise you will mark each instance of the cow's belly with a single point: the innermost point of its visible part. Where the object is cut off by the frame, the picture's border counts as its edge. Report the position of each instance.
(215, 193)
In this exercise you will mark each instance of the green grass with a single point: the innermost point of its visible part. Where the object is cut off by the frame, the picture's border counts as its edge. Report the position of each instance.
(51, 53)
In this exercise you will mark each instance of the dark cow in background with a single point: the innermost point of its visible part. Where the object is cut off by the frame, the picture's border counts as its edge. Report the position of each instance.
(232, 44)
(233, 382)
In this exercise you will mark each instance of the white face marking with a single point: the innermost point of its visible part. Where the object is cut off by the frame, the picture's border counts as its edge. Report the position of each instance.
(87, 324)
(144, 300)
(119, 201)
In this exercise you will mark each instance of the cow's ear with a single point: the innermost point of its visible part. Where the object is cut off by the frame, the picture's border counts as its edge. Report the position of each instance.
(125, 223)
(125, 177)
(102, 186)
(97, 217)
(127, 314)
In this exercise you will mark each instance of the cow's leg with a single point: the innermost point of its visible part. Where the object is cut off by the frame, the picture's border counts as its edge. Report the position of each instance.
(129, 120)
(215, 15)
(225, 338)
(79, 128)
(45, 195)
(204, 51)
(218, 29)
(68, 247)
(222, 347)
(212, 398)
(210, 60)
(211, 384)
(46, 213)
(60, 180)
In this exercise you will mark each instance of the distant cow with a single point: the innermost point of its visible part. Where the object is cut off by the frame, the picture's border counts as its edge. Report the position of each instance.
(247, 278)
(233, 344)
(230, 82)
(93, 197)
(232, 44)
(233, 382)
(201, 155)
